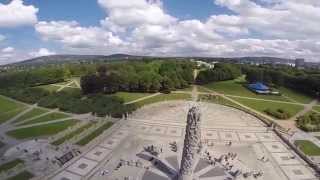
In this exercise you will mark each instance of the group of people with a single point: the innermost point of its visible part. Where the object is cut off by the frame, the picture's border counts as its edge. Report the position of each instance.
(174, 146)
(255, 174)
(223, 159)
(226, 161)
(153, 150)
(264, 159)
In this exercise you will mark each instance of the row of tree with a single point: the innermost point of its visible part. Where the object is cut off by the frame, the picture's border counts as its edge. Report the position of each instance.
(33, 77)
(71, 101)
(146, 76)
(220, 72)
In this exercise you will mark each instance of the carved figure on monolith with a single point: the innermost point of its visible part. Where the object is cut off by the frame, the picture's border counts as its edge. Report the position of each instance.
(192, 145)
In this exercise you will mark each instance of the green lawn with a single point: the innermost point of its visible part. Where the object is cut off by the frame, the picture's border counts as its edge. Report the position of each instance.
(317, 108)
(10, 165)
(188, 89)
(263, 105)
(308, 147)
(164, 97)
(301, 98)
(72, 134)
(25, 175)
(203, 89)
(236, 88)
(34, 112)
(94, 134)
(48, 117)
(63, 83)
(130, 96)
(41, 130)
(217, 100)
(73, 90)
(50, 88)
(11, 114)
(8, 105)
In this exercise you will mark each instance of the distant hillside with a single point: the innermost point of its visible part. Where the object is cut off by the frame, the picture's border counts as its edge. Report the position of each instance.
(58, 59)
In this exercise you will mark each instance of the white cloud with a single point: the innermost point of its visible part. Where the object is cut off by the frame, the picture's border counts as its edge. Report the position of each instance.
(72, 35)
(7, 54)
(283, 28)
(133, 13)
(41, 52)
(7, 50)
(17, 14)
(286, 19)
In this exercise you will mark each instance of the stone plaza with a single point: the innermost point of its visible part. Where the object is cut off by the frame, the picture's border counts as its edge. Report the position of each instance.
(149, 144)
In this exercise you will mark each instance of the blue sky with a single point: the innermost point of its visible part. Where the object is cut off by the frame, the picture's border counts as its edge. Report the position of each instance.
(31, 28)
(89, 13)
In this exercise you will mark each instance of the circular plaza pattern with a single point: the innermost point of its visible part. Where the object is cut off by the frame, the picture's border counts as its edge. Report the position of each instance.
(254, 151)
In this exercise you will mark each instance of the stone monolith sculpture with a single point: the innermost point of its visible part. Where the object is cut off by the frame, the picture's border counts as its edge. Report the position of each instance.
(192, 145)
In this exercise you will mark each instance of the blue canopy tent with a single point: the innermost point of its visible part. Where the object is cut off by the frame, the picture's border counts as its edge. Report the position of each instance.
(259, 88)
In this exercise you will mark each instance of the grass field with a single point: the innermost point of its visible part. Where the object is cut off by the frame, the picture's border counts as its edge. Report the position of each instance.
(317, 108)
(41, 130)
(218, 100)
(46, 118)
(73, 90)
(10, 165)
(296, 96)
(24, 175)
(236, 88)
(164, 97)
(308, 147)
(50, 88)
(63, 83)
(34, 112)
(127, 97)
(203, 89)
(8, 105)
(94, 134)
(11, 114)
(188, 89)
(72, 134)
(263, 105)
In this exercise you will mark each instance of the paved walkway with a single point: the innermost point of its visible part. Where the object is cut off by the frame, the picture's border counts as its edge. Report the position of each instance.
(77, 83)
(67, 85)
(307, 108)
(8, 125)
(40, 123)
(36, 117)
(63, 86)
(19, 115)
(287, 124)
